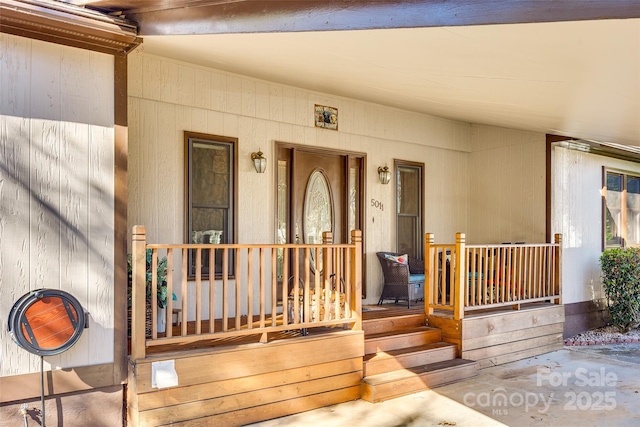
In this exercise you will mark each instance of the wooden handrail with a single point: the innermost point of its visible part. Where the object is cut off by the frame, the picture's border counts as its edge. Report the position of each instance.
(247, 302)
(462, 278)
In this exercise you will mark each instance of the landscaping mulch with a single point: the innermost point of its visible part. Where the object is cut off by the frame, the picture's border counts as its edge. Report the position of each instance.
(604, 335)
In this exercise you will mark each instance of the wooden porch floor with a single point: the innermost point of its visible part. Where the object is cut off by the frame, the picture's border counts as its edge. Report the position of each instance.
(369, 312)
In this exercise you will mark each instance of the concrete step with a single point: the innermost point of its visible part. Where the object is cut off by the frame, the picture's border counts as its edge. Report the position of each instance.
(401, 338)
(385, 324)
(379, 387)
(391, 360)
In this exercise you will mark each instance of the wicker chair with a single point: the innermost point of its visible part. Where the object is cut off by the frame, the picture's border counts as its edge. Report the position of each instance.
(401, 281)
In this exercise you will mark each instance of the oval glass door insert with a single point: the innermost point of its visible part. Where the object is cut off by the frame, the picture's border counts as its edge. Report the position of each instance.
(318, 211)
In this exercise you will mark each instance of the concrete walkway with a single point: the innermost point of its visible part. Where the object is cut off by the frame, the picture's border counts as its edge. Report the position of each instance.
(577, 386)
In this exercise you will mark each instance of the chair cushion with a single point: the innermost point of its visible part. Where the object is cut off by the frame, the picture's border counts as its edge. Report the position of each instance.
(416, 278)
(400, 259)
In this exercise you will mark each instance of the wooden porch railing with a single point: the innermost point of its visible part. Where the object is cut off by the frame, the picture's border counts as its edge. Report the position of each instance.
(250, 299)
(462, 278)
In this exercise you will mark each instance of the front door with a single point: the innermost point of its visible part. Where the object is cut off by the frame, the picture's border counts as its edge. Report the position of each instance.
(319, 196)
(318, 190)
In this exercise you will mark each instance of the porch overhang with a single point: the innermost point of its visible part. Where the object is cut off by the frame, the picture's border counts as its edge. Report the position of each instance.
(241, 16)
(69, 25)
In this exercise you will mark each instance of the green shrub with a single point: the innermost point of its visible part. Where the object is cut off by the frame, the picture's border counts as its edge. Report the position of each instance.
(621, 280)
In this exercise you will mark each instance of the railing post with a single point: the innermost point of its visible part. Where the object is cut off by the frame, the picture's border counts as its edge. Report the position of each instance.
(428, 274)
(558, 268)
(138, 291)
(356, 277)
(460, 277)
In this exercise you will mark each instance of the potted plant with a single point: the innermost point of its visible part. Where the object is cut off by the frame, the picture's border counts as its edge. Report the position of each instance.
(161, 292)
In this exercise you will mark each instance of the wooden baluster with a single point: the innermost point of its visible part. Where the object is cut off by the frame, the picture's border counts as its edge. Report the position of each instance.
(557, 286)
(170, 292)
(198, 291)
(460, 273)
(429, 269)
(494, 277)
(154, 294)
(501, 297)
(473, 277)
(185, 298)
(530, 272)
(249, 288)
(356, 276)
(484, 285)
(238, 279)
(285, 286)
(337, 291)
(225, 289)
(536, 274)
(327, 239)
(510, 279)
(545, 266)
(212, 289)
(274, 288)
(442, 278)
(318, 290)
(262, 289)
(346, 272)
(519, 275)
(306, 307)
(296, 285)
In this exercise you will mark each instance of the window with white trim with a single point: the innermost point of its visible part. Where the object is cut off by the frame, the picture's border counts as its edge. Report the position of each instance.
(621, 205)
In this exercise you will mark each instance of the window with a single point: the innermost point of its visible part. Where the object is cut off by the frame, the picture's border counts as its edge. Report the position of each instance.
(409, 196)
(621, 209)
(211, 196)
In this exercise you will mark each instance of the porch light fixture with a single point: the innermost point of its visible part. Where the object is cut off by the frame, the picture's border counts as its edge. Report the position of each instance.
(259, 162)
(384, 174)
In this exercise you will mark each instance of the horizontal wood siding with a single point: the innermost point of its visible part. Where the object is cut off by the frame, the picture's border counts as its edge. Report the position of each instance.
(507, 336)
(239, 385)
(275, 410)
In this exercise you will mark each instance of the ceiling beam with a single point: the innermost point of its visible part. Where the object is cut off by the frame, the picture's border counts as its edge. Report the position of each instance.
(220, 17)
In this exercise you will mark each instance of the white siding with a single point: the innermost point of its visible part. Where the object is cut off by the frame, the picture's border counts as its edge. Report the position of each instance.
(577, 214)
(169, 97)
(56, 190)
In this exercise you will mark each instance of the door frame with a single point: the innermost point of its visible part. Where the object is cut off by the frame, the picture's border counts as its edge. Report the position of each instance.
(347, 155)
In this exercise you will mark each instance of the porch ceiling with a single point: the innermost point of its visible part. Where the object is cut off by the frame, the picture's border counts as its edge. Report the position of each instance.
(461, 59)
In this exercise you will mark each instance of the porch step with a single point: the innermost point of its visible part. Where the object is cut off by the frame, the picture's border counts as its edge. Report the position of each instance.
(376, 388)
(401, 338)
(385, 324)
(391, 360)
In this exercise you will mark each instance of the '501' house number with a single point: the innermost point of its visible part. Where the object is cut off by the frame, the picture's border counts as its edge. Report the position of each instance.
(377, 204)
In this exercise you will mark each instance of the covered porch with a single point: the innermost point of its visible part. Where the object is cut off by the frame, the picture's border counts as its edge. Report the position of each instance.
(265, 356)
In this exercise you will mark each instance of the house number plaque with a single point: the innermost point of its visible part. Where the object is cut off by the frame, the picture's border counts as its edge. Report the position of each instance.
(377, 204)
